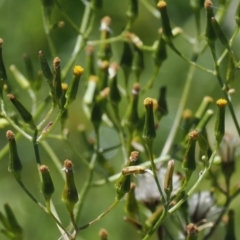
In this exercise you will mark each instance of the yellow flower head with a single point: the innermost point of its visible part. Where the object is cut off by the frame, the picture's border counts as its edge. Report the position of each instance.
(78, 70)
(148, 102)
(161, 4)
(221, 102)
(64, 86)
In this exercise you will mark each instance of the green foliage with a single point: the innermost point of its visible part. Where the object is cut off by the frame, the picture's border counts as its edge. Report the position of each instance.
(153, 158)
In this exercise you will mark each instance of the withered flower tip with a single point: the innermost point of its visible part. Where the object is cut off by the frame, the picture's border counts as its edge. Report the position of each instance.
(114, 67)
(192, 229)
(68, 165)
(134, 156)
(193, 135)
(56, 61)
(40, 53)
(208, 99)
(107, 20)
(136, 89)
(61, 24)
(10, 135)
(104, 64)
(103, 233)
(78, 70)
(11, 96)
(1, 41)
(133, 186)
(105, 92)
(89, 49)
(208, 4)
(47, 127)
(43, 168)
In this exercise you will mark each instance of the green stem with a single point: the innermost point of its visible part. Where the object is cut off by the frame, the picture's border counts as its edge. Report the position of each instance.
(86, 186)
(91, 24)
(53, 157)
(222, 85)
(149, 147)
(31, 196)
(120, 129)
(177, 119)
(67, 18)
(45, 209)
(43, 135)
(193, 63)
(47, 116)
(36, 149)
(14, 125)
(129, 141)
(116, 201)
(46, 24)
(151, 9)
(83, 160)
(34, 100)
(150, 82)
(194, 187)
(59, 224)
(230, 44)
(73, 221)
(215, 183)
(158, 223)
(109, 40)
(80, 42)
(219, 219)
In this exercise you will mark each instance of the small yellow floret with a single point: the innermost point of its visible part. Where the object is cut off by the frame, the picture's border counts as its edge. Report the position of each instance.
(161, 4)
(221, 102)
(155, 104)
(148, 101)
(78, 70)
(208, 99)
(104, 64)
(64, 86)
(187, 114)
(93, 78)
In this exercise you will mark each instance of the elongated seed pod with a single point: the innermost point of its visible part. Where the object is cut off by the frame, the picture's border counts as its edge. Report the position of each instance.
(72, 90)
(25, 114)
(70, 194)
(219, 129)
(47, 187)
(14, 162)
(167, 31)
(189, 163)
(149, 132)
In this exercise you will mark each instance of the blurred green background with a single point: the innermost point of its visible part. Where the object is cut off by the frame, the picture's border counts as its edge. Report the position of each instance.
(22, 30)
